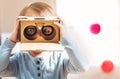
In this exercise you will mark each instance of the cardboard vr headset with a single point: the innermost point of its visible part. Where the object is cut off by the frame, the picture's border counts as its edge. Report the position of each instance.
(39, 33)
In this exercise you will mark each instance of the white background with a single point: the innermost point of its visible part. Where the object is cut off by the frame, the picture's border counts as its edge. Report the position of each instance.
(80, 14)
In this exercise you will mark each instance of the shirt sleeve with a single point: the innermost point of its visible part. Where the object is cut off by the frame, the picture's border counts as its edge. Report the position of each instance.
(77, 62)
(8, 63)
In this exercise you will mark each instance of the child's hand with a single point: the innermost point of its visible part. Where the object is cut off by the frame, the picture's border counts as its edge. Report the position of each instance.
(14, 35)
(61, 28)
(67, 31)
(64, 30)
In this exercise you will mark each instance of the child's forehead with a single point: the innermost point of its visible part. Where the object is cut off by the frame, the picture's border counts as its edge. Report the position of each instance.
(32, 13)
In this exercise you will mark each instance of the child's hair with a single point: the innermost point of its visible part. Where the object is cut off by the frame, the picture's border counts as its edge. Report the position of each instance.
(42, 8)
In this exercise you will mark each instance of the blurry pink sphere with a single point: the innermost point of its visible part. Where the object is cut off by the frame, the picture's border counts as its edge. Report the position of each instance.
(107, 66)
(95, 28)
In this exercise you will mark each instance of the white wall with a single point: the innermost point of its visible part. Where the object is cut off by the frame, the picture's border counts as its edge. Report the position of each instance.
(78, 16)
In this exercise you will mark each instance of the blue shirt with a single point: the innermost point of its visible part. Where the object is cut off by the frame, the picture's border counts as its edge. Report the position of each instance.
(56, 65)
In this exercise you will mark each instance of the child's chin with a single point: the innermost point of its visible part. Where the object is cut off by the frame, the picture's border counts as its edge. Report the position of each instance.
(37, 51)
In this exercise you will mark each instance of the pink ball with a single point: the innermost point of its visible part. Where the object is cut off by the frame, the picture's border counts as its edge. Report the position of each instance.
(107, 66)
(95, 28)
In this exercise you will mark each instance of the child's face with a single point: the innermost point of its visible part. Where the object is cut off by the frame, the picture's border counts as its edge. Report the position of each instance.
(31, 13)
